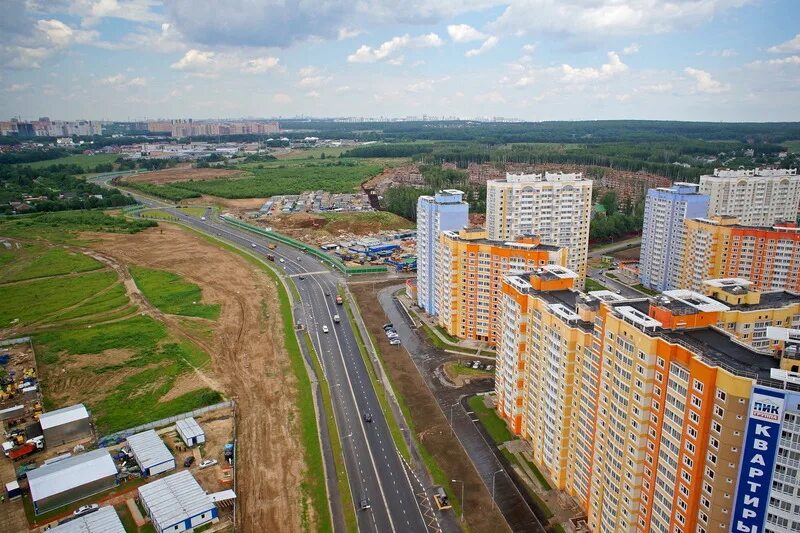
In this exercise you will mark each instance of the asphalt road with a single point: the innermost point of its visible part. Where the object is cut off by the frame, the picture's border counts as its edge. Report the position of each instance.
(511, 502)
(374, 467)
(600, 276)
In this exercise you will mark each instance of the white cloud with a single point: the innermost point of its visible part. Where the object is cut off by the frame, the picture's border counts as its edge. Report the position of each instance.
(93, 11)
(790, 60)
(607, 70)
(529, 48)
(792, 45)
(314, 81)
(196, 61)
(62, 35)
(18, 87)
(259, 65)
(655, 88)
(464, 33)
(347, 33)
(488, 44)
(492, 97)
(367, 54)
(705, 83)
(601, 18)
(726, 53)
(121, 81)
(281, 98)
(312, 94)
(342, 89)
(630, 49)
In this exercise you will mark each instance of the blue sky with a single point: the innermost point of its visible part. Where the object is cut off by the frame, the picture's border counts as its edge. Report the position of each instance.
(718, 60)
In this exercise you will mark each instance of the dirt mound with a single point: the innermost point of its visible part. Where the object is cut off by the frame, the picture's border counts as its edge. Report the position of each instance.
(172, 175)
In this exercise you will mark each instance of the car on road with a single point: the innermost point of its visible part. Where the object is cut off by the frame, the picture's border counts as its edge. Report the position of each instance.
(207, 462)
(253, 244)
(394, 342)
(363, 504)
(368, 418)
(324, 329)
(202, 218)
(85, 509)
(189, 461)
(302, 278)
(282, 260)
(298, 258)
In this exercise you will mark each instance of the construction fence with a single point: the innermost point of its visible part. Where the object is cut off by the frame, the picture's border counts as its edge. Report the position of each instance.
(312, 250)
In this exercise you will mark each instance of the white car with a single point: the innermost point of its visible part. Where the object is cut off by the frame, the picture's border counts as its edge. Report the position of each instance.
(208, 462)
(85, 509)
(282, 260)
(253, 244)
(324, 329)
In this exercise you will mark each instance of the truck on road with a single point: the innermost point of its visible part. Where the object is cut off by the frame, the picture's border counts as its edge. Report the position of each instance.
(272, 246)
(271, 257)
(338, 300)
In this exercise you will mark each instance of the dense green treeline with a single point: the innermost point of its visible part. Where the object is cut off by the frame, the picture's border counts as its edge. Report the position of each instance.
(56, 188)
(31, 156)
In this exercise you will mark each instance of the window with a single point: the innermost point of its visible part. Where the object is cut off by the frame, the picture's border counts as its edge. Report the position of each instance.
(719, 411)
(721, 395)
(697, 385)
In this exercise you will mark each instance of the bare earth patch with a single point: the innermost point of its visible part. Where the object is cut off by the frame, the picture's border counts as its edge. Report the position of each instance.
(184, 384)
(248, 204)
(172, 175)
(249, 363)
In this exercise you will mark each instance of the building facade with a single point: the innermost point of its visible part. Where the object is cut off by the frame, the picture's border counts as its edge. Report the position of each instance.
(720, 247)
(760, 197)
(636, 408)
(469, 275)
(555, 206)
(444, 211)
(665, 209)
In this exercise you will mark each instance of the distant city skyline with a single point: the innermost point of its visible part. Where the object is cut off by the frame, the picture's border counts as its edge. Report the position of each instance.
(706, 60)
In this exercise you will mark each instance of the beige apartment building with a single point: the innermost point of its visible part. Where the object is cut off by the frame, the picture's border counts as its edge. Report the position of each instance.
(759, 197)
(555, 206)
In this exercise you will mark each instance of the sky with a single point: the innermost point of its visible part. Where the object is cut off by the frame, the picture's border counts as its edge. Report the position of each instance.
(710, 60)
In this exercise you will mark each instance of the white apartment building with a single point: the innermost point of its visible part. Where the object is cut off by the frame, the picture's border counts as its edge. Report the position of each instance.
(757, 197)
(447, 210)
(555, 206)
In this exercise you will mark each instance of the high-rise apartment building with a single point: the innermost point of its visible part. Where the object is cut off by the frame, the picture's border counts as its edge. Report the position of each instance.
(759, 197)
(469, 277)
(555, 206)
(665, 209)
(645, 410)
(446, 210)
(720, 247)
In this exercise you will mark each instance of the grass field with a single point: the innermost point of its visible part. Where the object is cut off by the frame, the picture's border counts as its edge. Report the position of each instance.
(315, 153)
(37, 299)
(157, 214)
(87, 162)
(169, 192)
(379, 219)
(193, 211)
(62, 226)
(592, 285)
(171, 294)
(494, 425)
(269, 179)
(52, 262)
(793, 146)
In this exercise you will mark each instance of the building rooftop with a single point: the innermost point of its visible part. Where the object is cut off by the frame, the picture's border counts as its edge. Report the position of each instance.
(718, 348)
(684, 302)
(543, 177)
(104, 520)
(59, 417)
(517, 245)
(69, 473)
(188, 428)
(175, 498)
(149, 449)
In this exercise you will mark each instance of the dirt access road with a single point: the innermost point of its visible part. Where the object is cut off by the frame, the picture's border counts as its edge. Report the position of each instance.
(249, 361)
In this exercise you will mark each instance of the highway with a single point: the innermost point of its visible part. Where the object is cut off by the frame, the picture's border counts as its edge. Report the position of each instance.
(374, 467)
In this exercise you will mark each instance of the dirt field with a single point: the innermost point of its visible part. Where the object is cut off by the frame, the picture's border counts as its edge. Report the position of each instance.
(247, 204)
(172, 175)
(630, 253)
(431, 427)
(249, 365)
(317, 229)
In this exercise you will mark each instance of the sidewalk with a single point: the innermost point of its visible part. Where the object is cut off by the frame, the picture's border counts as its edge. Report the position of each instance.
(461, 347)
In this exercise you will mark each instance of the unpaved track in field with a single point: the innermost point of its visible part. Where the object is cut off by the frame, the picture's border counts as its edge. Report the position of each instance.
(249, 364)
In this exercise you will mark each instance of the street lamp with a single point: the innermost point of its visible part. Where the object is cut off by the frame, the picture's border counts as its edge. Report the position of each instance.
(493, 476)
(462, 496)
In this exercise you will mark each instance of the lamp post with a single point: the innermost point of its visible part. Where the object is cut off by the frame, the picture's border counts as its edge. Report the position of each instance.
(462, 496)
(493, 477)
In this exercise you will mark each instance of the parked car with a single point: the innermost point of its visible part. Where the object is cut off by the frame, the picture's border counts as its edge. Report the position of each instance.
(368, 417)
(207, 462)
(324, 329)
(489, 367)
(85, 509)
(476, 365)
(189, 461)
(388, 326)
(394, 341)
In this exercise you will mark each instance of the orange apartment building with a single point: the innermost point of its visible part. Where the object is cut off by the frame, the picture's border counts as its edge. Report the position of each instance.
(636, 408)
(469, 275)
(720, 247)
